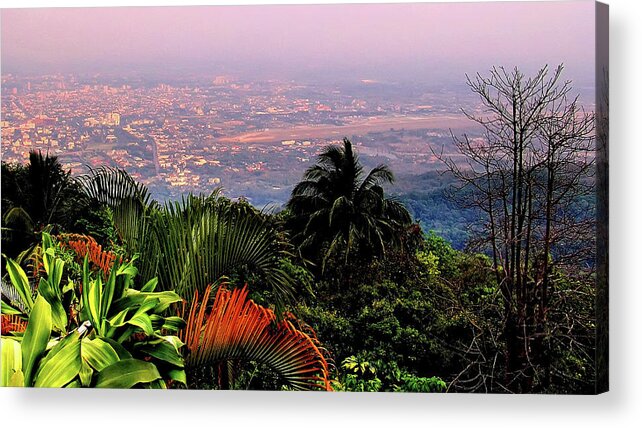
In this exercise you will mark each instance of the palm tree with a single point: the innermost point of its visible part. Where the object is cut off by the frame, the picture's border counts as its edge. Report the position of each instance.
(35, 197)
(339, 208)
(50, 186)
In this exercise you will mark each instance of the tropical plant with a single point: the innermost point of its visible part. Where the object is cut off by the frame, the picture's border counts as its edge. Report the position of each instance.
(36, 359)
(342, 210)
(235, 328)
(41, 196)
(19, 233)
(118, 333)
(128, 200)
(86, 246)
(191, 244)
(203, 239)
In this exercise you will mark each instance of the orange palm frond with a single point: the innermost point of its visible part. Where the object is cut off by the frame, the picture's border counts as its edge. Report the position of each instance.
(235, 328)
(83, 245)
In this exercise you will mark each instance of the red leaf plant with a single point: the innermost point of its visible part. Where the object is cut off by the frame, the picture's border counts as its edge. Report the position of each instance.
(235, 328)
(83, 245)
(9, 323)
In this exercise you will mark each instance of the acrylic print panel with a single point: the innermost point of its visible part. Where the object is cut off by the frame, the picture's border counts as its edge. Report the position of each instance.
(373, 197)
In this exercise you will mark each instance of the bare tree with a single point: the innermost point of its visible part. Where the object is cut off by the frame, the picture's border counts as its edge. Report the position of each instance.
(531, 175)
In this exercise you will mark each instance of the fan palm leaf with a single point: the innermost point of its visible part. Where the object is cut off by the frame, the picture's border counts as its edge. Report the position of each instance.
(110, 186)
(235, 328)
(200, 240)
(129, 200)
(194, 242)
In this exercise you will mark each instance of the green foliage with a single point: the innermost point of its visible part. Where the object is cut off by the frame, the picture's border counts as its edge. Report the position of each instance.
(72, 361)
(36, 196)
(421, 384)
(416, 310)
(36, 337)
(98, 223)
(400, 310)
(202, 240)
(358, 374)
(429, 262)
(443, 253)
(192, 244)
(111, 326)
(127, 373)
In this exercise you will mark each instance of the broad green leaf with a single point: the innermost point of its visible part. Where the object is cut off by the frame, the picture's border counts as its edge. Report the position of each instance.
(108, 294)
(162, 350)
(95, 293)
(17, 379)
(84, 298)
(36, 337)
(69, 287)
(136, 298)
(62, 364)
(11, 360)
(48, 252)
(85, 375)
(150, 286)
(128, 268)
(167, 323)
(20, 283)
(157, 384)
(143, 322)
(123, 353)
(98, 353)
(178, 376)
(116, 321)
(6, 309)
(174, 341)
(148, 304)
(126, 374)
(59, 316)
(56, 275)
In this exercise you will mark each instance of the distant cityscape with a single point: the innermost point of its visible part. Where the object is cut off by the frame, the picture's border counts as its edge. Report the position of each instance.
(252, 138)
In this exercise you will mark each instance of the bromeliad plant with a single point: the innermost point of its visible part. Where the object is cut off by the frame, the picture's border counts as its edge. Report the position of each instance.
(89, 332)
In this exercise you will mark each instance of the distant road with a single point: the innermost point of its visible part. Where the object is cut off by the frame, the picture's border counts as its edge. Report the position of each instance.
(366, 126)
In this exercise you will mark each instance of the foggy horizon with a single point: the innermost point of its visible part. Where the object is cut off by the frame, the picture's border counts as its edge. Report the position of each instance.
(391, 42)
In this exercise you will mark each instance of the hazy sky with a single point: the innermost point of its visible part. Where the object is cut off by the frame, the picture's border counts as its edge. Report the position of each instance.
(367, 41)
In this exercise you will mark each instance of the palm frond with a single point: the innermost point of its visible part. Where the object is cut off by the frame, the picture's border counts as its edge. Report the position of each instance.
(129, 200)
(110, 186)
(9, 323)
(11, 296)
(334, 207)
(237, 329)
(200, 240)
(378, 176)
